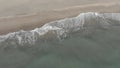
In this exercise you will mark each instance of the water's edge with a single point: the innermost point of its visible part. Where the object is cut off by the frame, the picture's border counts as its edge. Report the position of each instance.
(62, 28)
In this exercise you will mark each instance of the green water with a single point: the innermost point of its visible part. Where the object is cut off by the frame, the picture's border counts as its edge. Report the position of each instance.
(99, 49)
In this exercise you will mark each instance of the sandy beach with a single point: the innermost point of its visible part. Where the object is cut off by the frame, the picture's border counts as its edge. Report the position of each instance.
(31, 14)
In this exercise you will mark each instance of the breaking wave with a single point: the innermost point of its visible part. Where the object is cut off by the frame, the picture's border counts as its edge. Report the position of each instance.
(61, 29)
(90, 40)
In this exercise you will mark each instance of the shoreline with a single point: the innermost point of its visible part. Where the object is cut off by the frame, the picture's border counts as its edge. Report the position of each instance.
(35, 20)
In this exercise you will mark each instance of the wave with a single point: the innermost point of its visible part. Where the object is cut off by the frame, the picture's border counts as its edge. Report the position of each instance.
(85, 23)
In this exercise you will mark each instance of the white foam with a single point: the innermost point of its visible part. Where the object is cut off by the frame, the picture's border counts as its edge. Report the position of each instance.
(62, 27)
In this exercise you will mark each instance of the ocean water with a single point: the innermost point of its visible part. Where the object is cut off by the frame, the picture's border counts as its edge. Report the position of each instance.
(89, 40)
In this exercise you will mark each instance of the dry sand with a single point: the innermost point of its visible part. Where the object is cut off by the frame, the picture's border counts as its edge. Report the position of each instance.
(29, 14)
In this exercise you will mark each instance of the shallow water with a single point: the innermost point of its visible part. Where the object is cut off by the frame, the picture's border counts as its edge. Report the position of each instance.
(92, 46)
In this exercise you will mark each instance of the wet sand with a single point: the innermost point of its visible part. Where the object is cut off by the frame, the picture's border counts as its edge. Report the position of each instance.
(35, 19)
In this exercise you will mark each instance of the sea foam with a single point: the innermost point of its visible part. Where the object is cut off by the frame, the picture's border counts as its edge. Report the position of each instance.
(60, 29)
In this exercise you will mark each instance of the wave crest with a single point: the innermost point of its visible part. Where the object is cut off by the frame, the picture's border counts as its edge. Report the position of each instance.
(60, 29)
